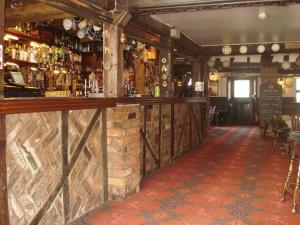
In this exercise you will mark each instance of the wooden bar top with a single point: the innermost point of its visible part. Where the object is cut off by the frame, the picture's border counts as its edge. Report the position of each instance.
(48, 104)
(163, 100)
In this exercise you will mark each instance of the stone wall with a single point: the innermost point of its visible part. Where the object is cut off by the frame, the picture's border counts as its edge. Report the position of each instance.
(124, 150)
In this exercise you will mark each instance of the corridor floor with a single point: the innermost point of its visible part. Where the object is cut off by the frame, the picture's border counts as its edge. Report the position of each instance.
(232, 178)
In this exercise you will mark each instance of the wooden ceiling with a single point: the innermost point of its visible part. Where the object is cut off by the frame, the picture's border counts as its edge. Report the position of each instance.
(41, 10)
(150, 7)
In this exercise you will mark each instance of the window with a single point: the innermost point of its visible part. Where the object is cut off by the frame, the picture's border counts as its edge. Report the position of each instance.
(298, 89)
(242, 88)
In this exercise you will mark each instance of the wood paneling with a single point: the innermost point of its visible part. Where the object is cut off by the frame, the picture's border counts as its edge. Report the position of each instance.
(27, 105)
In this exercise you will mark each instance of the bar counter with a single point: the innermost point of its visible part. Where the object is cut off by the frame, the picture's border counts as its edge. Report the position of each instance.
(76, 153)
(30, 105)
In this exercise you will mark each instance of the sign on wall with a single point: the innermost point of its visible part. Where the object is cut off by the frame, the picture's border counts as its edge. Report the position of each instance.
(1, 57)
(270, 101)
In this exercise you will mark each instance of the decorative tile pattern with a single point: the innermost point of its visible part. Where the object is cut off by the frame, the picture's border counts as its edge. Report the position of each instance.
(232, 178)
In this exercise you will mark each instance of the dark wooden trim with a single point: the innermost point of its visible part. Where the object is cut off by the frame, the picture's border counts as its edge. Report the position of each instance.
(191, 131)
(2, 29)
(196, 123)
(152, 7)
(43, 210)
(149, 146)
(144, 144)
(4, 212)
(29, 105)
(104, 156)
(172, 130)
(153, 101)
(159, 134)
(65, 162)
(184, 124)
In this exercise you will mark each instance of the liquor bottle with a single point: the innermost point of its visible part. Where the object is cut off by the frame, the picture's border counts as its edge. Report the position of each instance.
(21, 52)
(157, 89)
(13, 52)
(25, 53)
(17, 52)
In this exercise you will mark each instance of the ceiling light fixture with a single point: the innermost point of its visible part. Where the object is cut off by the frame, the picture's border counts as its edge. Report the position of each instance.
(226, 50)
(261, 49)
(243, 49)
(262, 15)
(275, 47)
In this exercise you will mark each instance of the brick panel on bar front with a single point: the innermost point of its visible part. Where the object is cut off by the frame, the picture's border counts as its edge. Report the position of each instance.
(34, 165)
(85, 182)
(124, 150)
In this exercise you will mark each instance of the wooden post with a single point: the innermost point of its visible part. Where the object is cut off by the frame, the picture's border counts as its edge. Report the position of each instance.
(144, 144)
(112, 60)
(204, 106)
(165, 72)
(65, 162)
(172, 131)
(196, 73)
(160, 136)
(4, 213)
(2, 29)
(104, 156)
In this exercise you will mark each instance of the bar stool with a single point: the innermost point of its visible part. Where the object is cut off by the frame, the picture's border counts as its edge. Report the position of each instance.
(288, 186)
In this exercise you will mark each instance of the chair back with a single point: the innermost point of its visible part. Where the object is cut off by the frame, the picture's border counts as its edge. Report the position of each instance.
(296, 121)
(276, 118)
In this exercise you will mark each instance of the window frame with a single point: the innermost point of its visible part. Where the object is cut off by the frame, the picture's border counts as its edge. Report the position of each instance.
(297, 91)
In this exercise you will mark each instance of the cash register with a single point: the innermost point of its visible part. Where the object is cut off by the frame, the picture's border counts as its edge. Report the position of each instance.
(14, 84)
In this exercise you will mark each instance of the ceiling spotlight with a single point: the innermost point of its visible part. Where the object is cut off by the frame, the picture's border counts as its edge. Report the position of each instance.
(261, 49)
(275, 47)
(243, 49)
(262, 15)
(226, 50)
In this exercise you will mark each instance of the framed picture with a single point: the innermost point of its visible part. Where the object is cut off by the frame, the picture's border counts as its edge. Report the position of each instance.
(213, 88)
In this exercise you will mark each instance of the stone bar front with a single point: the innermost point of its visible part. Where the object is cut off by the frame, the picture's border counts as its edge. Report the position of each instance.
(63, 161)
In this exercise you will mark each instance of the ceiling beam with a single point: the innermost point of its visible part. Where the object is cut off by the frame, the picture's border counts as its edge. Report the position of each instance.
(150, 7)
(83, 8)
(183, 45)
(252, 49)
(32, 12)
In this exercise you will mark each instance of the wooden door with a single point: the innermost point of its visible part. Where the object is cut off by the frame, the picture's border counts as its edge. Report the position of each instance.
(242, 92)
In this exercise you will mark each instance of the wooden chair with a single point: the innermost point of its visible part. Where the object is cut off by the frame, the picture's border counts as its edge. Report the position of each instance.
(280, 130)
(293, 188)
(212, 116)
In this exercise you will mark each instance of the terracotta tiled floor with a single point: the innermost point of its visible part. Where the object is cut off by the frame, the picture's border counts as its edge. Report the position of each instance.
(231, 179)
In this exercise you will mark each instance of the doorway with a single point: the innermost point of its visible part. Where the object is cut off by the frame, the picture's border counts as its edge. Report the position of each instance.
(242, 91)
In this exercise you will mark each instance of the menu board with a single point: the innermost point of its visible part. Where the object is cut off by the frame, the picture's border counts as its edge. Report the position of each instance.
(270, 101)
